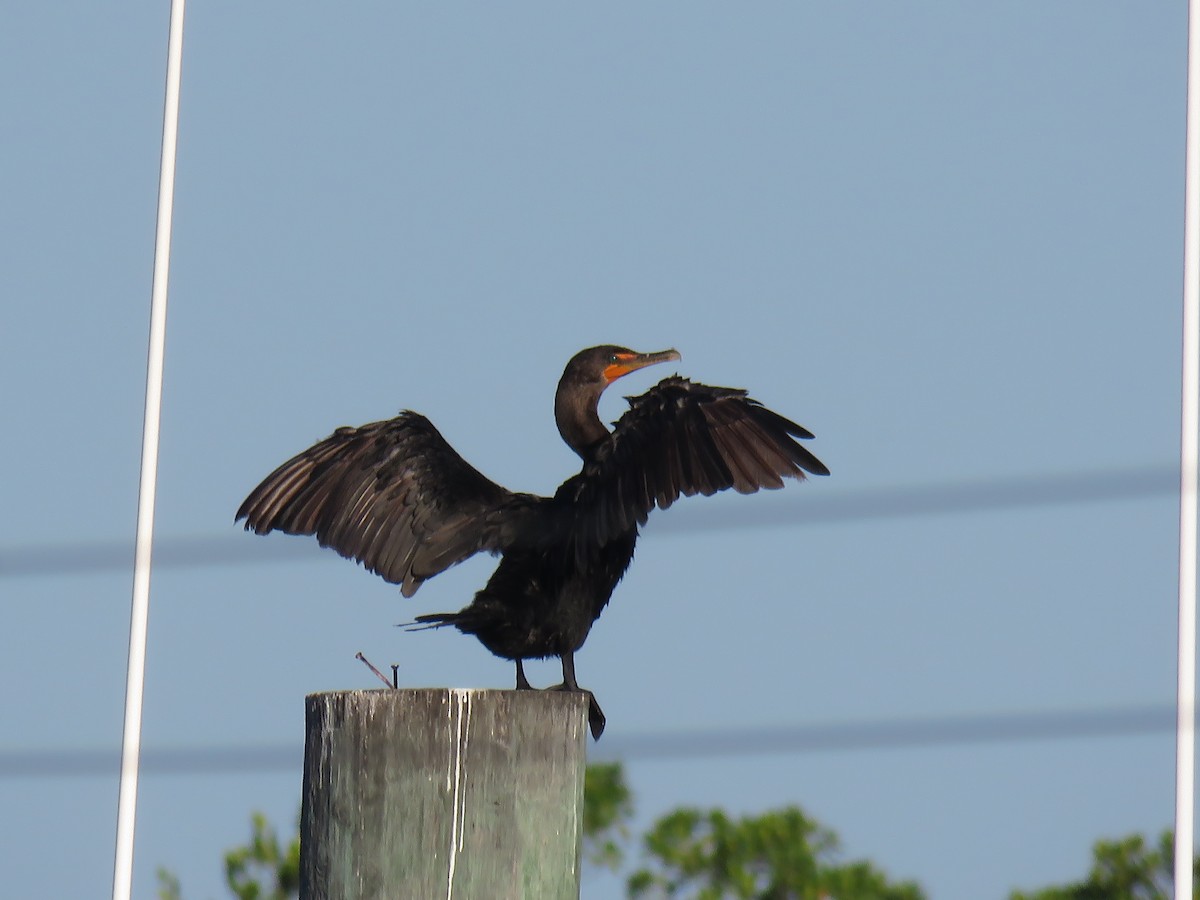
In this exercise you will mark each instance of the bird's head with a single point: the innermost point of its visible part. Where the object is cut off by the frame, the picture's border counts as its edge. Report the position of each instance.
(583, 381)
(605, 364)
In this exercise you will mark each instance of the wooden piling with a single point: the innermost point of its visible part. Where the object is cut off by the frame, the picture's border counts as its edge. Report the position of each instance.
(438, 792)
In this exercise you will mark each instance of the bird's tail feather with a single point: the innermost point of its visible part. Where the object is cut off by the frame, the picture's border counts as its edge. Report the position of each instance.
(433, 620)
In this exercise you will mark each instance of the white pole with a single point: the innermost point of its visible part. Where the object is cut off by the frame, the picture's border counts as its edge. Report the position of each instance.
(135, 677)
(1185, 747)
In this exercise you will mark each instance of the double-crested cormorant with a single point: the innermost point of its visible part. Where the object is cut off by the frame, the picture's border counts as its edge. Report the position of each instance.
(396, 497)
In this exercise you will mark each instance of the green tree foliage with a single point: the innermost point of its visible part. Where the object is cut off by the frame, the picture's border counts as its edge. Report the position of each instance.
(258, 870)
(607, 809)
(781, 855)
(168, 885)
(261, 870)
(707, 855)
(1125, 869)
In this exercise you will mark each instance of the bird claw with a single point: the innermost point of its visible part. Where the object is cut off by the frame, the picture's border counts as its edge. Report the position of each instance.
(596, 718)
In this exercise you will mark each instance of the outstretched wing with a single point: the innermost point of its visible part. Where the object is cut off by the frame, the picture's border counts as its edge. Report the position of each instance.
(394, 495)
(682, 438)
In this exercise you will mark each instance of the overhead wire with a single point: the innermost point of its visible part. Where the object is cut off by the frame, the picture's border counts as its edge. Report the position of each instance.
(946, 498)
(866, 735)
(930, 499)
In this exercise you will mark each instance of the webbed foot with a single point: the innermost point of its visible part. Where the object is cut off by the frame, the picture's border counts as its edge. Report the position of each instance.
(596, 719)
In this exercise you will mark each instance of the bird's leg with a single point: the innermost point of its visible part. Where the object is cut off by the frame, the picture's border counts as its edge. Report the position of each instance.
(522, 682)
(568, 663)
(596, 720)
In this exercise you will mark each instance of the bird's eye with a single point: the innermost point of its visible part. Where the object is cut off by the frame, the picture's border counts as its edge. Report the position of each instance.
(613, 358)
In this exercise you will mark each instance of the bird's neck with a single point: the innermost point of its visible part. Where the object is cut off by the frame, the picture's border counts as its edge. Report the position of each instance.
(575, 411)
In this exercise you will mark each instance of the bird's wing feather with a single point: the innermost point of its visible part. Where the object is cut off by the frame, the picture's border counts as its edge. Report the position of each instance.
(393, 495)
(683, 438)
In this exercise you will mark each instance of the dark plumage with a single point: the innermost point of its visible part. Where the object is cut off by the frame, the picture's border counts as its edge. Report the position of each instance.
(396, 497)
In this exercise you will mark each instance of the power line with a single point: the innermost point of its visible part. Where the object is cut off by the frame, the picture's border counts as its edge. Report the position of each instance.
(893, 734)
(952, 498)
(898, 734)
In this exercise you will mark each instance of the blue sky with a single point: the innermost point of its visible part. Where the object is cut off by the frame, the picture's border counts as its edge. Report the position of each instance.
(946, 238)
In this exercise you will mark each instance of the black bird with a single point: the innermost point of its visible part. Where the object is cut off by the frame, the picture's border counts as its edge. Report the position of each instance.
(396, 497)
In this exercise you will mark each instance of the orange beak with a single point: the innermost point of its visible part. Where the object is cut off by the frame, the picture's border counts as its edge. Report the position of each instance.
(631, 362)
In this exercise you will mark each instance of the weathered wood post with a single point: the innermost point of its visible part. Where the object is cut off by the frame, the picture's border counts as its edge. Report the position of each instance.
(438, 792)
